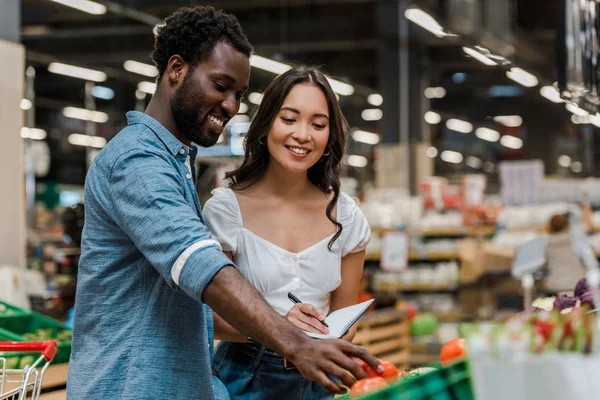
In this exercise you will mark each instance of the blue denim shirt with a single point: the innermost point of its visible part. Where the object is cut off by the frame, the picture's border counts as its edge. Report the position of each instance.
(137, 334)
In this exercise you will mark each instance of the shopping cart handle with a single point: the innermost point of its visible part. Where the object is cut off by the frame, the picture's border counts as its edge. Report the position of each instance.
(48, 348)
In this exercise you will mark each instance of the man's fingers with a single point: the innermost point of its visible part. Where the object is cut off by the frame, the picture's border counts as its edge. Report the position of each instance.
(304, 326)
(351, 365)
(323, 380)
(333, 368)
(363, 354)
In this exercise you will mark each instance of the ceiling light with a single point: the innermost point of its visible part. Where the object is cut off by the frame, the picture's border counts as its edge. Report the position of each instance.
(450, 156)
(576, 110)
(595, 119)
(86, 115)
(90, 7)
(433, 118)
(77, 72)
(372, 114)
(365, 137)
(435, 92)
(511, 121)
(478, 56)
(140, 95)
(511, 142)
(487, 134)
(357, 161)
(522, 77)
(577, 167)
(102, 92)
(488, 167)
(26, 104)
(564, 161)
(238, 118)
(278, 68)
(473, 162)
(375, 99)
(243, 108)
(140, 68)
(33, 133)
(459, 125)
(425, 21)
(268, 65)
(255, 98)
(147, 87)
(78, 139)
(431, 152)
(551, 93)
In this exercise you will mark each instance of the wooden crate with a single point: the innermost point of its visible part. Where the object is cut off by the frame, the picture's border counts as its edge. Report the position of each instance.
(386, 334)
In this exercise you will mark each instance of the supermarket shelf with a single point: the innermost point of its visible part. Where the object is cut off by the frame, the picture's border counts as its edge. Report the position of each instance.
(415, 288)
(414, 256)
(459, 231)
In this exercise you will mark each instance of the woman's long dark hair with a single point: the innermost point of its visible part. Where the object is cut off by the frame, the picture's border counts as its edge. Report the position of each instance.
(325, 174)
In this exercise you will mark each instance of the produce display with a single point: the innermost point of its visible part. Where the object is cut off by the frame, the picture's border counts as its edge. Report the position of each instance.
(5, 311)
(63, 336)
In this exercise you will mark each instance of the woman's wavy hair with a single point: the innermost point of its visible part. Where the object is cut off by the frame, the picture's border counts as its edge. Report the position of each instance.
(325, 174)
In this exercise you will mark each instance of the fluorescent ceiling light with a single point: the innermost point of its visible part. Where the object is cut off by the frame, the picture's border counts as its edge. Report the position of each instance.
(450, 156)
(473, 162)
(147, 87)
(564, 161)
(365, 137)
(372, 114)
(433, 118)
(140, 95)
(357, 161)
(576, 110)
(595, 119)
(487, 134)
(459, 125)
(425, 21)
(478, 56)
(551, 93)
(488, 167)
(78, 139)
(77, 72)
(86, 115)
(577, 167)
(33, 133)
(511, 121)
(340, 87)
(583, 119)
(140, 68)
(26, 104)
(522, 77)
(431, 152)
(511, 142)
(255, 98)
(375, 99)
(90, 7)
(279, 68)
(243, 108)
(435, 92)
(102, 92)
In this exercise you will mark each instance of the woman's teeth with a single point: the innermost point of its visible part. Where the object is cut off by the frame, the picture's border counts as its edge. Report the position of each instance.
(216, 120)
(298, 151)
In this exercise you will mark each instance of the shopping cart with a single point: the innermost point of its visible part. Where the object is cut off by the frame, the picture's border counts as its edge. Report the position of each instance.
(25, 382)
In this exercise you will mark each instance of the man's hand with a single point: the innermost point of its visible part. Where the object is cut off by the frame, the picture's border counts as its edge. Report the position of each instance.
(316, 360)
(306, 317)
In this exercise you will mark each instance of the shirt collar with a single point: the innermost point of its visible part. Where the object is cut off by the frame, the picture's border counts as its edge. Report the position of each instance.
(167, 138)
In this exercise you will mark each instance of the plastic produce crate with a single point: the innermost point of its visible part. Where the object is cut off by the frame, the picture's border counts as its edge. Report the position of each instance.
(15, 327)
(9, 311)
(448, 383)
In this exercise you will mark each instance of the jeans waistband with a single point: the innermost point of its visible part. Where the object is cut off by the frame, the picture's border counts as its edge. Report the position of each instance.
(261, 353)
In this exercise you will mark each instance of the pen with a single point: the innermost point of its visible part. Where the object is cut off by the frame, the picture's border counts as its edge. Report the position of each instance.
(296, 300)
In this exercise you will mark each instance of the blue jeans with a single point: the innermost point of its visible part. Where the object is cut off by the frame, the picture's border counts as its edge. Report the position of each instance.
(250, 373)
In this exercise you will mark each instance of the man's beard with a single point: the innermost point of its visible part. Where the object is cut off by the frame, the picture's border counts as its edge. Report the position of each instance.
(186, 116)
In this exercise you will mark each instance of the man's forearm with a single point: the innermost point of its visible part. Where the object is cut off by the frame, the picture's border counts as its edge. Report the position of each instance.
(238, 303)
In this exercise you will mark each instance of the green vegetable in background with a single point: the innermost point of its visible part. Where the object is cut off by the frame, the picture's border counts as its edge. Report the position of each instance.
(25, 361)
(423, 325)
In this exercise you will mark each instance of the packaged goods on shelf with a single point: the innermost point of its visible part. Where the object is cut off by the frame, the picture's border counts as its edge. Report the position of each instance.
(442, 275)
(514, 239)
(434, 220)
(533, 216)
(391, 208)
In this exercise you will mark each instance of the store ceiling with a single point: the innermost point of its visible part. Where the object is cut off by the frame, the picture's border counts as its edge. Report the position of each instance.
(341, 35)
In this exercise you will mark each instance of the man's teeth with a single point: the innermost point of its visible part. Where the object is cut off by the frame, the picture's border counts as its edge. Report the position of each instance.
(216, 120)
(298, 151)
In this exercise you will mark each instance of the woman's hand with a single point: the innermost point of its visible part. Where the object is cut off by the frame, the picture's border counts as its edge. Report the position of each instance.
(307, 317)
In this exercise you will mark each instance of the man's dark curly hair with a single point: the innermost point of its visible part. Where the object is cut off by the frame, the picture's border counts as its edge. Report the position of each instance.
(193, 33)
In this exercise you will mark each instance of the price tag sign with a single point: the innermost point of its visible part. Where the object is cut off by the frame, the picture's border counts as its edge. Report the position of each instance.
(394, 251)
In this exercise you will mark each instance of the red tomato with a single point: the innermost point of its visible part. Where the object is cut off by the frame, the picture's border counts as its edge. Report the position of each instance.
(390, 371)
(544, 328)
(368, 385)
(452, 351)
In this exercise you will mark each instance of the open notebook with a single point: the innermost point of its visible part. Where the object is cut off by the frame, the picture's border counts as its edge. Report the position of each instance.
(341, 320)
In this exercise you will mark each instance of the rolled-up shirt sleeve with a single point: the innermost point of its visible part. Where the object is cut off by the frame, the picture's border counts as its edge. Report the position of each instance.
(148, 203)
